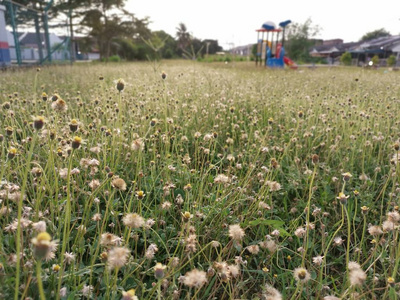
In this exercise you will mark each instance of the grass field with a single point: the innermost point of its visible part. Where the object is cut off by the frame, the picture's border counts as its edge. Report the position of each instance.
(212, 181)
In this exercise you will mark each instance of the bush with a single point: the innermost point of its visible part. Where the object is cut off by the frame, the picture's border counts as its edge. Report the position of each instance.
(391, 61)
(375, 60)
(114, 58)
(346, 59)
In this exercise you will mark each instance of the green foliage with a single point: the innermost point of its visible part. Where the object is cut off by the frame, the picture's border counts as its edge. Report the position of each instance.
(375, 34)
(237, 170)
(375, 60)
(114, 58)
(299, 40)
(391, 61)
(346, 59)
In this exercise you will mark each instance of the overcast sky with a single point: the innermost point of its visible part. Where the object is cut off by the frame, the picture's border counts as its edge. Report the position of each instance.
(235, 22)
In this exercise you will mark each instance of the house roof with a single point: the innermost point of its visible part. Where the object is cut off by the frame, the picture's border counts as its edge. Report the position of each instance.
(327, 49)
(30, 38)
(384, 43)
(378, 45)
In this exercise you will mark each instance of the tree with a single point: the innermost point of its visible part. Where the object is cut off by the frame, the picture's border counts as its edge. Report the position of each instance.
(212, 46)
(375, 34)
(183, 37)
(346, 59)
(170, 44)
(299, 39)
(25, 17)
(391, 61)
(105, 22)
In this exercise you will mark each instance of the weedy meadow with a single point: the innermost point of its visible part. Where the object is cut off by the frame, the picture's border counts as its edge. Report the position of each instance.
(199, 181)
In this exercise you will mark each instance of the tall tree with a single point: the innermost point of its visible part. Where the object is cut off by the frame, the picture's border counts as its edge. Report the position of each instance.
(375, 34)
(183, 36)
(106, 22)
(300, 39)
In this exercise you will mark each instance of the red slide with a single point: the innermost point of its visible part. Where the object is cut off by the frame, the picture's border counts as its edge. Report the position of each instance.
(290, 63)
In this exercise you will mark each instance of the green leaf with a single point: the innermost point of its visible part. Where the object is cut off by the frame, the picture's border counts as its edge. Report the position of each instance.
(273, 223)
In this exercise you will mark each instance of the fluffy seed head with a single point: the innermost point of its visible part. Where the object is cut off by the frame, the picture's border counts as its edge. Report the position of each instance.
(301, 275)
(195, 278)
(236, 233)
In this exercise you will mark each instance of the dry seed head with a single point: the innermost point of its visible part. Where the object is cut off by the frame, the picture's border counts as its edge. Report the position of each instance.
(38, 122)
(120, 85)
(117, 257)
(159, 272)
(9, 130)
(195, 278)
(133, 220)
(346, 176)
(73, 125)
(119, 184)
(236, 233)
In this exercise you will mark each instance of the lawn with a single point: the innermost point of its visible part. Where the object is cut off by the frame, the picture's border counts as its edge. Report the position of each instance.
(188, 180)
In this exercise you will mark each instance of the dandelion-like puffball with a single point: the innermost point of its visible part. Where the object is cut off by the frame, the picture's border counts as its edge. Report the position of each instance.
(133, 220)
(301, 275)
(119, 184)
(271, 293)
(195, 278)
(117, 257)
(236, 233)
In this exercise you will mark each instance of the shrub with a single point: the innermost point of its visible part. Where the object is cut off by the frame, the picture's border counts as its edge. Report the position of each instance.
(375, 60)
(346, 59)
(114, 58)
(391, 61)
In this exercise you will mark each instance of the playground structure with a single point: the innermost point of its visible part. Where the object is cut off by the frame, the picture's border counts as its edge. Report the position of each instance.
(271, 51)
(41, 47)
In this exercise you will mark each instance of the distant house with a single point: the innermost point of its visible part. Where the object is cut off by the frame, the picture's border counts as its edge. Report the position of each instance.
(29, 47)
(242, 50)
(361, 51)
(332, 49)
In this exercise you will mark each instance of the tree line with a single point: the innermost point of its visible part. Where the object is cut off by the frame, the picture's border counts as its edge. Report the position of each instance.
(106, 26)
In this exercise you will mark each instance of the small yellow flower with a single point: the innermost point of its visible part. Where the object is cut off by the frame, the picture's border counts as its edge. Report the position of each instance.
(391, 281)
(12, 152)
(343, 198)
(140, 195)
(56, 268)
(364, 209)
(43, 236)
(76, 142)
(129, 295)
(346, 176)
(187, 216)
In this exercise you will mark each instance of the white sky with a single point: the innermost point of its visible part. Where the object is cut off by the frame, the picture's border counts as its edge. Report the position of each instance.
(233, 23)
